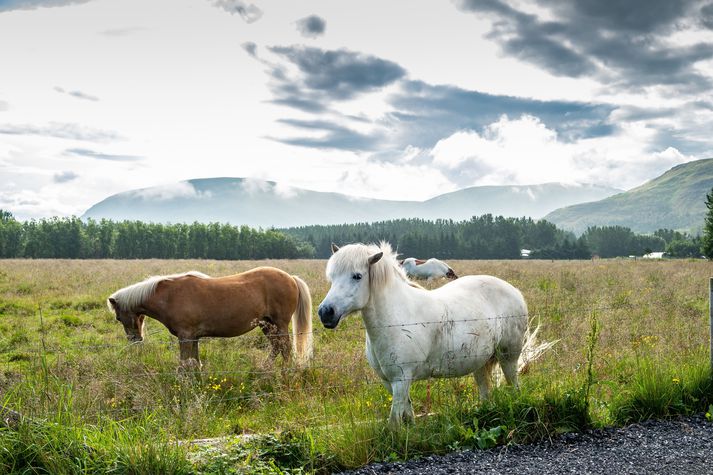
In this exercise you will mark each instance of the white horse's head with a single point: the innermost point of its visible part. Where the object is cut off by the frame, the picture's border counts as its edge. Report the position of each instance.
(409, 264)
(353, 270)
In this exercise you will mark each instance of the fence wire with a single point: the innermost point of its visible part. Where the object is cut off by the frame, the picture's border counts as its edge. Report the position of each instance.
(357, 375)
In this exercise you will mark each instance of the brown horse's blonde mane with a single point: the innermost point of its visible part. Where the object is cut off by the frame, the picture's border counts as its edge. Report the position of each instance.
(136, 294)
(351, 257)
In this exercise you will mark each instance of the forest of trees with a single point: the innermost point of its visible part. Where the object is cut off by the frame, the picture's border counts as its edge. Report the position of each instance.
(76, 239)
(481, 237)
(488, 237)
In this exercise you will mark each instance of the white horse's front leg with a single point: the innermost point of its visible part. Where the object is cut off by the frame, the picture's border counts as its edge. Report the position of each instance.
(401, 409)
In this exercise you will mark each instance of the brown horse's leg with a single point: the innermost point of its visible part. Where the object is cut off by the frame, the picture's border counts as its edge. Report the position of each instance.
(285, 347)
(189, 353)
(279, 338)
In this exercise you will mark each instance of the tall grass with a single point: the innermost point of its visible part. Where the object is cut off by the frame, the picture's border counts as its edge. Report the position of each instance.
(633, 340)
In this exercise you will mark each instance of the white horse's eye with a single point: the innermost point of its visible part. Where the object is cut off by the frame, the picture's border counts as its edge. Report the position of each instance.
(356, 276)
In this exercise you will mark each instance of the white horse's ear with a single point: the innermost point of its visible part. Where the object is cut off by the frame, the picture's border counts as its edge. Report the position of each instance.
(112, 301)
(375, 258)
(335, 248)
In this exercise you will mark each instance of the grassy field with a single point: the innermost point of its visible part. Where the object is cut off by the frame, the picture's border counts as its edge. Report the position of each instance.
(633, 343)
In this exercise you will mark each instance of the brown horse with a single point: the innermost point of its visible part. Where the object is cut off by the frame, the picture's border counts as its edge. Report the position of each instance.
(193, 305)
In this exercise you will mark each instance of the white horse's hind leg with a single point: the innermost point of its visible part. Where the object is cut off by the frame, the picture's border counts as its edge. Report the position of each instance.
(510, 371)
(483, 379)
(401, 409)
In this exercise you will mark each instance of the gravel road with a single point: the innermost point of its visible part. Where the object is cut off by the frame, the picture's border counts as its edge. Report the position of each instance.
(681, 446)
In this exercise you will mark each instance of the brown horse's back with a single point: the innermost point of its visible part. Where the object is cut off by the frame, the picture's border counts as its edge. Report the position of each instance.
(192, 307)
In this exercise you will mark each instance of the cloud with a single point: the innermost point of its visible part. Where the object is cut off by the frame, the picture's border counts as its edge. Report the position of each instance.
(253, 186)
(64, 177)
(416, 114)
(424, 113)
(248, 12)
(61, 130)
(77, 94)
(331, 136)
(311, 26)
(83, 152)
(8, 5)
(624, 44)
(257, 185)
(29, 204)
(4, 106)
(524, 151)
(312, 80)
(181, 189)
(706, 16)
(284, 190)
(393, 181)
(326, 75)
(251, 48)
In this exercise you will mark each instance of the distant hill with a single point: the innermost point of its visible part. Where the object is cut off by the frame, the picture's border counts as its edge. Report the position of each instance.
(269, 204)
(675, 200)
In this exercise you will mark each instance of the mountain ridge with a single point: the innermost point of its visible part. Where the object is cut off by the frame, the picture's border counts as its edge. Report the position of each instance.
(266, 204)
(673, 200)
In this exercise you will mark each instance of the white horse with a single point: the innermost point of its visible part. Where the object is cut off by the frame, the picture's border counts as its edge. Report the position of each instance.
(430, 269)
(412, 333)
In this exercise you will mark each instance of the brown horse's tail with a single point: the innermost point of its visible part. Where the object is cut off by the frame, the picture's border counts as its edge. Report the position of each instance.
(302, 324)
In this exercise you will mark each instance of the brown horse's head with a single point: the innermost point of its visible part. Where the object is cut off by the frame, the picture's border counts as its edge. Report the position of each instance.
(133, 321)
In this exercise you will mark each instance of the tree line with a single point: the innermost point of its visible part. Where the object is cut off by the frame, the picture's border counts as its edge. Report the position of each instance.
(481, 237)
(497, 237)
(76, 239)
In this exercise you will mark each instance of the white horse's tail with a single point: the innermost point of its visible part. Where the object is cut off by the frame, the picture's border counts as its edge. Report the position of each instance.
(531, 352)
(302, 324)
(532, 349)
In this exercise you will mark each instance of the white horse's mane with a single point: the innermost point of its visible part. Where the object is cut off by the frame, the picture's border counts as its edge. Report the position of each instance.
(135, 294)
(352, 257)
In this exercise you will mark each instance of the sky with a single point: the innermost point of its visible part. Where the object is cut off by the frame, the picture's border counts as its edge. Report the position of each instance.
(398, 99)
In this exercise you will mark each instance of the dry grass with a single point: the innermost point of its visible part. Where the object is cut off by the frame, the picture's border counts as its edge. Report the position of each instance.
(62, 352)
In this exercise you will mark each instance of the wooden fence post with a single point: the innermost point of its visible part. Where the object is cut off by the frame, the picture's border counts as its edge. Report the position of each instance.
(710, 314)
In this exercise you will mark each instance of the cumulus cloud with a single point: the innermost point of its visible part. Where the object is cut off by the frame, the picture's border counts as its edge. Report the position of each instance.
(181, 189)
(524, 151)
(247, 11)
(8, 5)
(626, 44)
(311, 26)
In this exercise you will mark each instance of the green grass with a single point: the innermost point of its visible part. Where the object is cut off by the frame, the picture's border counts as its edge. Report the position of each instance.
(94, 403)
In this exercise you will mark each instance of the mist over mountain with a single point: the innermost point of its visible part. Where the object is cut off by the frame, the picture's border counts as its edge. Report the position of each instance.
(256, 203)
